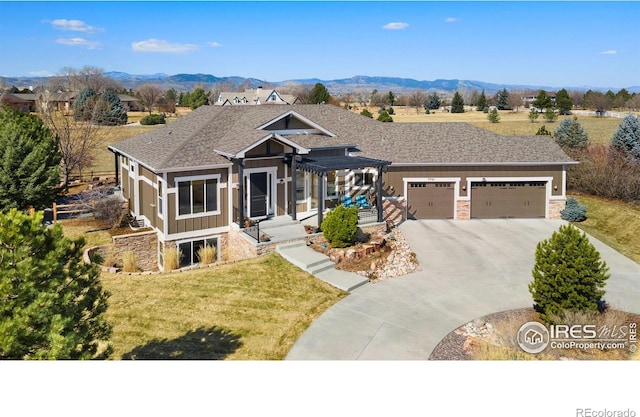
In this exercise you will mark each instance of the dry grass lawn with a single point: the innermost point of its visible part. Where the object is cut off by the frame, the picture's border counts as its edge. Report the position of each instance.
(600, 129)
(250, 310)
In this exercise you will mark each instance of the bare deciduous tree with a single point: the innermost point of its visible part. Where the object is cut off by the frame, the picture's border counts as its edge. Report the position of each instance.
(149, 94)
(515, 100)
(78, 140)
(71, 79)
(418, 98)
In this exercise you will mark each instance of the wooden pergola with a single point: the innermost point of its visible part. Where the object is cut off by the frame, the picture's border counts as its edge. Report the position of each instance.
(322, 165)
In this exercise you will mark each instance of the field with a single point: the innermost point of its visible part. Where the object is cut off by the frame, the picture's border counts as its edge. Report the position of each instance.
(599, 129)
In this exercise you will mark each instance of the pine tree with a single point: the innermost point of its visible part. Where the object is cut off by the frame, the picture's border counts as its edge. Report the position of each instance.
(482, 102)
(29, 162)
(319, 94)
(493, 116)
(52, 301)
(568, 275)
(457, 103)
(502, 99)
(543, 101)
(533, 115)
(84, 104)
(432, 102)
(384, 117)
(626, 138)
(571, 134)
(564, 102)
(197, 98)
(109, 110)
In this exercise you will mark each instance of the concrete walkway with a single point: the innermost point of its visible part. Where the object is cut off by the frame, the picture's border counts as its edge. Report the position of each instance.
(315, 263)
(469, 269)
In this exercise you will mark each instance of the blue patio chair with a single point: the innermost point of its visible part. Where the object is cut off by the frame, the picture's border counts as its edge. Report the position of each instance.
(347, 201)
(362, 202)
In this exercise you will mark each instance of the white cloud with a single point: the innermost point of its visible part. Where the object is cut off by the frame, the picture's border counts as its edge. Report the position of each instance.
(73, 25)
(395, 26)
(159, 45)
(214, 44)
(83, 43)
(451, 19)
(609, 52)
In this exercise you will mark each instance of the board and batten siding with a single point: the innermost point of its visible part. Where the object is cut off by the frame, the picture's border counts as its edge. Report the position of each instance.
(393, 180)
(203, 222)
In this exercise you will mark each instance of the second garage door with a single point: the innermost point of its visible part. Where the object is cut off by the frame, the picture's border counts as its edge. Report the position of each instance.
(493, 200)
(430, 200)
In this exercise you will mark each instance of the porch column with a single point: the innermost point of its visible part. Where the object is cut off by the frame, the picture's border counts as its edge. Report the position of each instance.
(379, 195)
(320, 197)
(294, 176)
(117, 169)
(240, 192)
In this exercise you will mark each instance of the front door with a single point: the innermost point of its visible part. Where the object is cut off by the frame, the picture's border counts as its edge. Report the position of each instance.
(258, 194)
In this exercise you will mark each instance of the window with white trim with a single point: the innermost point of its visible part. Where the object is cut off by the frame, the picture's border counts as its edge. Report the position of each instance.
(160, 198)
(189, 250)
(198, 196)
(362, 179)
(332, 182)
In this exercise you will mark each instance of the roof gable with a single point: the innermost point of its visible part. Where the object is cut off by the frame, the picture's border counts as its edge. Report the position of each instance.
(293, 123)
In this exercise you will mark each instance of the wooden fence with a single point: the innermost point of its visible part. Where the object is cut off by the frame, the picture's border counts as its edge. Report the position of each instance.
(72, 209)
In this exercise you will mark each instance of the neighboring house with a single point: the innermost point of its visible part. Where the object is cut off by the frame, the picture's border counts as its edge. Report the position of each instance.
(253, 97)
(197, 179)
(62, 101)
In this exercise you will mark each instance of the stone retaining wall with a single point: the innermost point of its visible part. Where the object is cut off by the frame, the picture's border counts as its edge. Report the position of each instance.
(143, 245)
(463, 210)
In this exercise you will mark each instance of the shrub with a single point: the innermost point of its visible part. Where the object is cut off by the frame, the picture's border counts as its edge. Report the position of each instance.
(384, 117)
(573, 211)
(367, 113)
(171, 259)
(543, 131)
(493, 116)
(391, 111)
(153, 119)
(130, 262)
(207, 255)
(340, 225)
(568, 275)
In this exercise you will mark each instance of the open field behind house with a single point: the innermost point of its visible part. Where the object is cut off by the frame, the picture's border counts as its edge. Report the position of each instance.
(599, 129)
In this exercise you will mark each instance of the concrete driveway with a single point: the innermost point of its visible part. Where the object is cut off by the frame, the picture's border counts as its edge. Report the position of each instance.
(469, 269)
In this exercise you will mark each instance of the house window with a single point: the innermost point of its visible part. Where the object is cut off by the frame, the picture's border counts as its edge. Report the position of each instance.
(189, 250)
(362, 179)
(160, 199)
(198, 196)
(300, 186)
(331, 183)
(273, 97)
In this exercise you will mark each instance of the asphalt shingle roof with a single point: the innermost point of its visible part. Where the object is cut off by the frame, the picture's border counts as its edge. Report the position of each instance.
(196, 139)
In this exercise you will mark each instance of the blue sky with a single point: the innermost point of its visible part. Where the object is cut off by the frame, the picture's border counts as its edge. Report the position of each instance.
(557, 44)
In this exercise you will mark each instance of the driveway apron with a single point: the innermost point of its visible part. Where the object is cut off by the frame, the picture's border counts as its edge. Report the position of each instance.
(468, 269)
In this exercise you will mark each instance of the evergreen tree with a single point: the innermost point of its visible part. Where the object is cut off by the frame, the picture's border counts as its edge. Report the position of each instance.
(571, 134)
(482, 102)
(626, 138)
(391, 98)
(568, 275)
(52, 301)
(533, 115)
(109, 110)
(432, 102)
(564, 102)
(319, 94)
(543, 101)
(367, 113)
(384, 117)
(493, 116)
(197, 98)
(457, 103)
(84, 104)
(502, 99)
(542, 131)
(550, 115)
(29, 162)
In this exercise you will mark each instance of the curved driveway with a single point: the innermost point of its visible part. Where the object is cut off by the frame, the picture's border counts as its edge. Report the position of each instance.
(469, 269)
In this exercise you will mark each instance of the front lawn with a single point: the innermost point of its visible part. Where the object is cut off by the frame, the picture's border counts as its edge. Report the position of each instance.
(250, 310)
(613, 222)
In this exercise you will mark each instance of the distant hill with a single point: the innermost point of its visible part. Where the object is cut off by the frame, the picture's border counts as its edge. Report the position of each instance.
(187, 82)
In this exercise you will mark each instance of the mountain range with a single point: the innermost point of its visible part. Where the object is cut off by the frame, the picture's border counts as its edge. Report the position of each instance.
(187, 82)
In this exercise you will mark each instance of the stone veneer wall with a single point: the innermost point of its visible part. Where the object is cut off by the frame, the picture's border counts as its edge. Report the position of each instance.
(144, 245)
(394, 210)
(463, 210)
(555, 206)
(237, 246)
